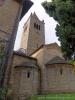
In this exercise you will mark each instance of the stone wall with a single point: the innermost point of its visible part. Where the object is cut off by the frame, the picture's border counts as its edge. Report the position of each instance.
(21, 83)
(8, 16)
(51, 51)
(25, 85)
(33, 37)
(43, 55)
(25, 35)
(36, 34)
(18, 59)
(46, 53)
(60, 78)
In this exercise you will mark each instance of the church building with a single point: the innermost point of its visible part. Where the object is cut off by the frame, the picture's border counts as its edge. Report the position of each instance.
(38, 68)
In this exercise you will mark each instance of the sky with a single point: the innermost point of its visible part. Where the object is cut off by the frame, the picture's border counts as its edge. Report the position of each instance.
(50, 24)
(39, 1)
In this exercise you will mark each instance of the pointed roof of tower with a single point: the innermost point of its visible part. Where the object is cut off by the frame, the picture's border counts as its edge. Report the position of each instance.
(35, 15)
(32, 14)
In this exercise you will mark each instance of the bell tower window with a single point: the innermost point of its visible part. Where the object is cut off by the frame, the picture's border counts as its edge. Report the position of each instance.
(37, 26)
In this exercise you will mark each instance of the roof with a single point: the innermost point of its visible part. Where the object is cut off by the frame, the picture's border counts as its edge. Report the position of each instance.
(37, 50)
(27, 65)
(35, 15)
(56, 60)
(46, 45)
(52, 44)
(19, 53)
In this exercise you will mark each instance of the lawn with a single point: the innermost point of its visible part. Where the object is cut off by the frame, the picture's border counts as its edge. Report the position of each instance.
(70, 96)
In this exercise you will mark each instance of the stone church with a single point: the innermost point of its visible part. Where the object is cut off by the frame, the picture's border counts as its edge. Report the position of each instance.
(38, 68)
(35, 68)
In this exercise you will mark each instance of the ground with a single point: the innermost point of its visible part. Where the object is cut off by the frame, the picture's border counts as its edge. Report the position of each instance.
(63, 96)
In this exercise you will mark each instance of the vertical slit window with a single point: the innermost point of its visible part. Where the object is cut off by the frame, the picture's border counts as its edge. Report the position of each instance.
(61, 72)
(39, 27)
(28, 74)
(35, 25)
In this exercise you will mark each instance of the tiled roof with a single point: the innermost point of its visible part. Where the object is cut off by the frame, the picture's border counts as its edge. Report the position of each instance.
(19, 53)
(27, 65)
(56, 60)
(46, 45)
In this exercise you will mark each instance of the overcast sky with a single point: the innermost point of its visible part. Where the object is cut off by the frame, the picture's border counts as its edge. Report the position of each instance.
(39, 1)
(50, 24)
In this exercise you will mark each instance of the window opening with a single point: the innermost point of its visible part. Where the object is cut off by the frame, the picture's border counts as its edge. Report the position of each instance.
(61, 71)
(28, 74)
(35, 25)
(39, 27)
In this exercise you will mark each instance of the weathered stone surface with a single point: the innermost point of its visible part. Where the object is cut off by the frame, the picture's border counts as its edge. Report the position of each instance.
(32, 37)
(21, 83)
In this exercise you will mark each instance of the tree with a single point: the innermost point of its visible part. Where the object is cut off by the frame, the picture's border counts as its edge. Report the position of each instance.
(3, 90)
(63, 11)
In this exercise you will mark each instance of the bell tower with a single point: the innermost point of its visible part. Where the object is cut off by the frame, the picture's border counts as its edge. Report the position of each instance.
(33, 35)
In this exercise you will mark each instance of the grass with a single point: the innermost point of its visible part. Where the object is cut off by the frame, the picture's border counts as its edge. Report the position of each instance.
(63, 96)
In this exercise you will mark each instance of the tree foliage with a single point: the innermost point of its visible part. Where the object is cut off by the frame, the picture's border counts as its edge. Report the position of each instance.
(63, 11)
(3, 92)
